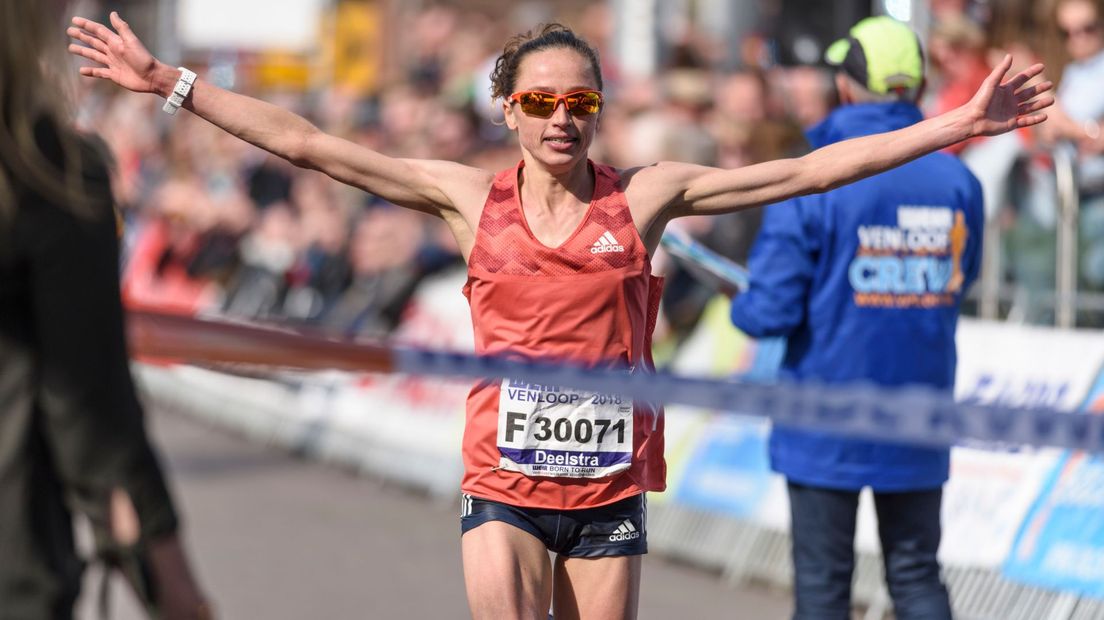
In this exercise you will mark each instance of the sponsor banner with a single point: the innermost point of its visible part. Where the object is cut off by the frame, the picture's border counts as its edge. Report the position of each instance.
(728, 471)
(985, 502)
(1026, 366)
(990, 492)
(1061, 544)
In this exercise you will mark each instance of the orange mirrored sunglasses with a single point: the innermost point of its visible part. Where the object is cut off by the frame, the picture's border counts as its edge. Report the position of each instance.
(543, 105)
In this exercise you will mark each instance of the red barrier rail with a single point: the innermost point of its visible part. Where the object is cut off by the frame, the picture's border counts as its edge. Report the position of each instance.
(160, 335)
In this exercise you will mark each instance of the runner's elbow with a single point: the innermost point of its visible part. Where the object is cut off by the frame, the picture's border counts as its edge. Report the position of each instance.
(300, 148)
(813, 176)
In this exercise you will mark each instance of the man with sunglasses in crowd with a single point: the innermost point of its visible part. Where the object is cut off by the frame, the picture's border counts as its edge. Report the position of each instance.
(865, 281)
(558, 251)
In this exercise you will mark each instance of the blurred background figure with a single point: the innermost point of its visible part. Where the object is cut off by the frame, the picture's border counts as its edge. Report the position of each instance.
(822, 276)
(74, 440)
(958, 53)
(1076, 123)
(384, 269)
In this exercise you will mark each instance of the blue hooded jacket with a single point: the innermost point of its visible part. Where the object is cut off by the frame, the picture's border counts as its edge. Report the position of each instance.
(865, 282)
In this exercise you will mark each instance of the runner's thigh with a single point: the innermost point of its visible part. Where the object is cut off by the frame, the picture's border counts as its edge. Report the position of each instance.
(507, 573)
(597, 588)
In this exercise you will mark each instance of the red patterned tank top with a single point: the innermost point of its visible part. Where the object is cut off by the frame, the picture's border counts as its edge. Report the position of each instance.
(591, 300)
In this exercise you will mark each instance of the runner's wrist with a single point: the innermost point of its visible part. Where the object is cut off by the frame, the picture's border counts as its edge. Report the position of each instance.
(962, 124)
(947, 129)
(164, 79)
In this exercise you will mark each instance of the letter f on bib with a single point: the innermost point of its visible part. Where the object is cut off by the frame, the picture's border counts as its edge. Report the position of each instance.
(512, 425)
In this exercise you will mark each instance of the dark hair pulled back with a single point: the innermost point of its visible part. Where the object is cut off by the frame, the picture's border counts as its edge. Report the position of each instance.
(546, 36)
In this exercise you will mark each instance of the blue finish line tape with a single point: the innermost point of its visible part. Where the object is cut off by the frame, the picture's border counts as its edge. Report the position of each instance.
(919, 416)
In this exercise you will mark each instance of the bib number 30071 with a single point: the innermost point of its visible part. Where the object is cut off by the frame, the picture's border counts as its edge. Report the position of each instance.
(558, 432)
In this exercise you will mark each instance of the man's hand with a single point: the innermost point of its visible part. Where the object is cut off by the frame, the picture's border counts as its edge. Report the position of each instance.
(123, 58)
(999, 106)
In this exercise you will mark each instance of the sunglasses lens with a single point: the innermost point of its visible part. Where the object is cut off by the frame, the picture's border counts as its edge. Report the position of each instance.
(537, 104)
(584, 103)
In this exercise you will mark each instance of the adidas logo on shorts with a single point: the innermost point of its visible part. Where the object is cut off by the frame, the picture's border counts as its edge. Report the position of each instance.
(625, 531)
(606, 243)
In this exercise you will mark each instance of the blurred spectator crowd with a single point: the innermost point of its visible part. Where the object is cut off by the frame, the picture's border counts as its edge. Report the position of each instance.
(214, 225)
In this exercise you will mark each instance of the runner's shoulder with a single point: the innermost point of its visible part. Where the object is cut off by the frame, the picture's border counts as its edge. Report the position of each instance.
(463, 188)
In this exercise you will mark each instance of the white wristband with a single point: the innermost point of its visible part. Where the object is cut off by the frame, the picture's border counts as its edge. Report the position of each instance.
(180, 91)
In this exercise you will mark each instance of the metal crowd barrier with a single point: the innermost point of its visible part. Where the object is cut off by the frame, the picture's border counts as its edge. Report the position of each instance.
(1065, 311)
(1066, 300)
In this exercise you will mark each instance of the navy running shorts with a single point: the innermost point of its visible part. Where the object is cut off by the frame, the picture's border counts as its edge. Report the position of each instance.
(613, 530)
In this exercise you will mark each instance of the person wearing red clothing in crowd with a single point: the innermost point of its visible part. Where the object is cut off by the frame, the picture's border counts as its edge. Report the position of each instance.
(958, 52)
(558, 250)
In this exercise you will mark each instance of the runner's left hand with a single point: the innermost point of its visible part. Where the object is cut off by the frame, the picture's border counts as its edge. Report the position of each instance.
(118, 54)
(1001, 106)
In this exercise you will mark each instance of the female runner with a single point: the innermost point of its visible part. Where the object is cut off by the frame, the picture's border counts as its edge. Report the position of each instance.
(558, 254)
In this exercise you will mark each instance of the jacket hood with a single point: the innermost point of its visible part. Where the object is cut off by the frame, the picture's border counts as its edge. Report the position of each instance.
(862, 119)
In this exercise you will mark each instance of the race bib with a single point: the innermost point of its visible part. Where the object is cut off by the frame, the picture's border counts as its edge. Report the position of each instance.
(558, 432)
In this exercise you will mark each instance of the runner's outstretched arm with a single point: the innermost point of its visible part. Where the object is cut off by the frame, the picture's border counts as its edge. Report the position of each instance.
(425, 185)
(998, 107)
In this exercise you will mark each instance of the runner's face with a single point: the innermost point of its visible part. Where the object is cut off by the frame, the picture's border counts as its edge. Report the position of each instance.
(1080, 28)
(562, 139)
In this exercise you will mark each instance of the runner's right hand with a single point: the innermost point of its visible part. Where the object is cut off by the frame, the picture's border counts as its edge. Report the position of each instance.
(123, 58)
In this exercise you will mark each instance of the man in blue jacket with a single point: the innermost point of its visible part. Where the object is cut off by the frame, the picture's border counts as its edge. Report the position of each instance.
(865, 282)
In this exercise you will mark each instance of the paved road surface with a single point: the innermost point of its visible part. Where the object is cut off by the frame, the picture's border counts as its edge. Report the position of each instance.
(276, 537)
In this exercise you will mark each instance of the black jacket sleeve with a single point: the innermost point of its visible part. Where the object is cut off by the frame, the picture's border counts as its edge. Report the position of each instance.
(91, 417)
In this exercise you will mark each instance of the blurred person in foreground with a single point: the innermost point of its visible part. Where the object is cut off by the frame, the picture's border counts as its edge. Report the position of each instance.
(73, 437)
(865, 281)
(559, 265)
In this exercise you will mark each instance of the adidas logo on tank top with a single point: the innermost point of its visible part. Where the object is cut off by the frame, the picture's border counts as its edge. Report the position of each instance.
(606, 243)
